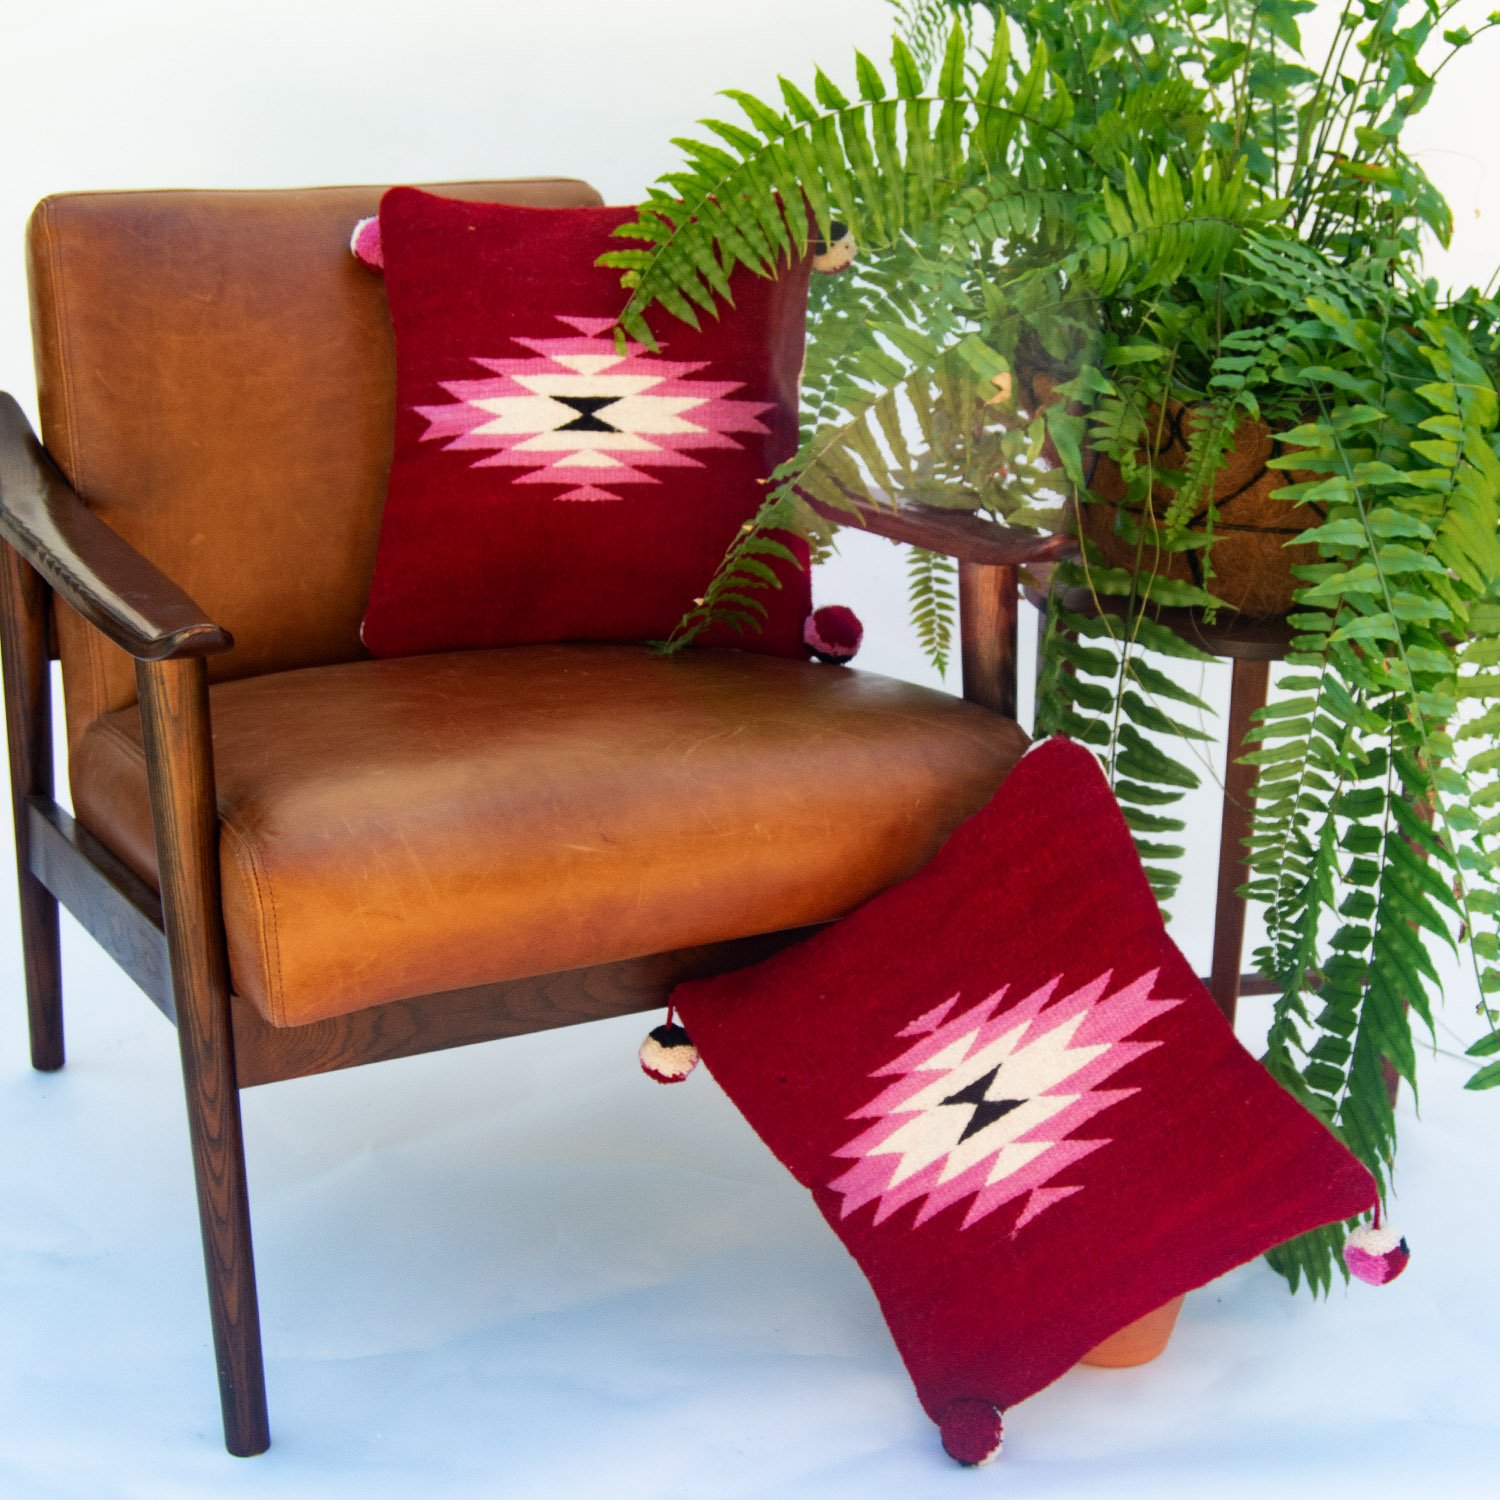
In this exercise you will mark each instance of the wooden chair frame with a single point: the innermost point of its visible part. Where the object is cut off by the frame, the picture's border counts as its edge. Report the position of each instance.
(172, 942)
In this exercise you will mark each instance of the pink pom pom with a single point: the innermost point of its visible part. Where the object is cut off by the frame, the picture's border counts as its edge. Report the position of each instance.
(833, 633)
(1376, 1255)
(365, 243)
(973, 1432)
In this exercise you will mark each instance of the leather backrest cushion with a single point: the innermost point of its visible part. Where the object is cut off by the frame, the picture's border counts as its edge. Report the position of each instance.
(216, 377)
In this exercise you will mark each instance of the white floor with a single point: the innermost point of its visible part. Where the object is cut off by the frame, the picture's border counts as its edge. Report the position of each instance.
(522, 1270)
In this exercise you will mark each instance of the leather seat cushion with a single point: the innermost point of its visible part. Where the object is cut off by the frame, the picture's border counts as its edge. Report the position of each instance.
(400, 827)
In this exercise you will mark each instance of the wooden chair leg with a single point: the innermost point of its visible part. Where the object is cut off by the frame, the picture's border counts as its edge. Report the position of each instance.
(24, 642)
(174, 712)
(988, 606)
(1248, 689)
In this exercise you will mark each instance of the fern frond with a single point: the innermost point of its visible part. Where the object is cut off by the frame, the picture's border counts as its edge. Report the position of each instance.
(883, 163)
(1097, 686)
(926, 24)
(732, 596)
(932, 589)
(1381, 840)
(1243, 364)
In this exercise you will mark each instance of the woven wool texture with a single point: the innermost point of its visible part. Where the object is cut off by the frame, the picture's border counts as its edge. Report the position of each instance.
(546, 486)
(1012, 1099)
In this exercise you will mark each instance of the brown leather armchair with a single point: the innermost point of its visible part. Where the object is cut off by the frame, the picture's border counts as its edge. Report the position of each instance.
(309, 859)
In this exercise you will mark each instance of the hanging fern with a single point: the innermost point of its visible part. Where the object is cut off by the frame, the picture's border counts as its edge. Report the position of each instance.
(1072, 222)
(1365, 819)
(890, 158)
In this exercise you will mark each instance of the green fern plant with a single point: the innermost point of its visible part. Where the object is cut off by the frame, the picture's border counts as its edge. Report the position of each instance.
(1165, 206)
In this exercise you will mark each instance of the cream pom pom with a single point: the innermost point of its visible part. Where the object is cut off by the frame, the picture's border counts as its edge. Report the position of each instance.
(668, 1054)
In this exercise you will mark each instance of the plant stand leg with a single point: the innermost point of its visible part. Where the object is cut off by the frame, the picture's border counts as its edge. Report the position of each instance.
(25, 634)
(174, 712)
(1249, 686)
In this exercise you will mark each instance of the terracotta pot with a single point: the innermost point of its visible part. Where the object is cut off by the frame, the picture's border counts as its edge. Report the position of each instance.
(1137, 1343)
(1252, 563)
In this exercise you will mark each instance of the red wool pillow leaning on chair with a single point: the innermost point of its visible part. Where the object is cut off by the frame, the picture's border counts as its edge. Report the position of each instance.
(1014, 1101)
(546, 485)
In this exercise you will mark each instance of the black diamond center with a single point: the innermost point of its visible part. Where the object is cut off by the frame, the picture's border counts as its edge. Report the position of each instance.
(986, 1110)
(588, 409)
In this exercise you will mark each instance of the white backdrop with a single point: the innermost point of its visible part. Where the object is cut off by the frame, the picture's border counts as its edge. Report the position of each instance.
(599, 1288)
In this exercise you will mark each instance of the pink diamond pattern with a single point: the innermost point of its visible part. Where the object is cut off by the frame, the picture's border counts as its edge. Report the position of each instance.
(578, 412)
(1032, 1077)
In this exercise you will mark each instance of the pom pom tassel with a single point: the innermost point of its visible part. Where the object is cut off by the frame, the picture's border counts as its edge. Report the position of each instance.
(1374, 1254)
(836, 253)
(365, 243)
(668, 1054)
(833, 634)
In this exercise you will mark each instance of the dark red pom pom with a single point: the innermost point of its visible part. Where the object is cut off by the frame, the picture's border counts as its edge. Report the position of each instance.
(833, 633)
(973, 1431)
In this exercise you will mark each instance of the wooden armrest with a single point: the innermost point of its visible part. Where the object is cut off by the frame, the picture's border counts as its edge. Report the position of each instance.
(114, 588)
(954, 533)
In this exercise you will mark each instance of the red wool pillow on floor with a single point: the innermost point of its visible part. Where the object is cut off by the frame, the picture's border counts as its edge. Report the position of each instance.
(544, 485)
(1014, 1101)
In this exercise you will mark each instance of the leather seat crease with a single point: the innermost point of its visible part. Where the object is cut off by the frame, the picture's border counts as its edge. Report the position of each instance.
(400, 827)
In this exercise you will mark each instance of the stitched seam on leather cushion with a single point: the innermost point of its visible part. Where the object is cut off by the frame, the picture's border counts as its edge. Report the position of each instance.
(265, 894)
(270, 940)
(136, 752)
(60, 333)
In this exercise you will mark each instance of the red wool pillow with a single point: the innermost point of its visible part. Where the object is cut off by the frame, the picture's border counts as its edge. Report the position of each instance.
(1015, 1103)
(544, 485)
